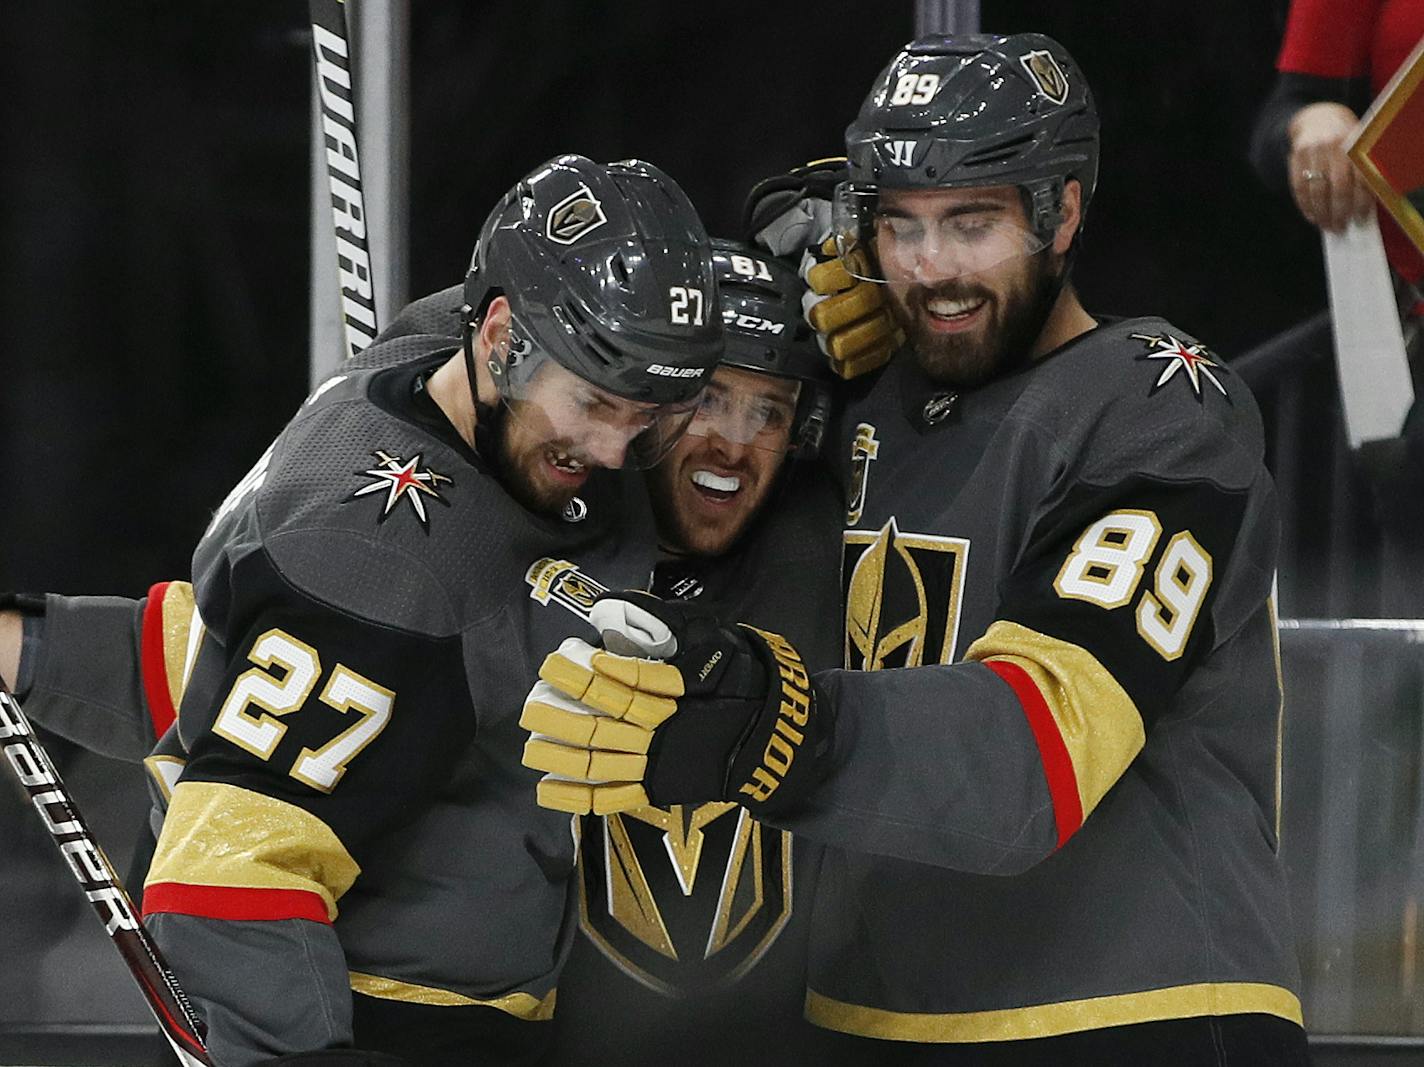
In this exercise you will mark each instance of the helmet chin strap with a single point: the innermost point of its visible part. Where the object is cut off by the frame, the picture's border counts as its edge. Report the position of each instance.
(489, 418)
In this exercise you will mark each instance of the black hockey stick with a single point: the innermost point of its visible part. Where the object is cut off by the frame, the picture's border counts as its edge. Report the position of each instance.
(52, 799)
(336, 89)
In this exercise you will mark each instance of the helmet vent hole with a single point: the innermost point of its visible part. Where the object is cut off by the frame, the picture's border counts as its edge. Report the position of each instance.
(999, 154)
(601, 350)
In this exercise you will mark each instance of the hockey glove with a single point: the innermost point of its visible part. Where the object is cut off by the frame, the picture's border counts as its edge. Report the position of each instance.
(853, 324)
(721, 713)
(790, 216)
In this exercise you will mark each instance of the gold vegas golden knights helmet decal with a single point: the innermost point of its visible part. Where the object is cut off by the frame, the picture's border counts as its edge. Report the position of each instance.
(684, 899)
(574, 216)
(902, 594)
(1046, 74)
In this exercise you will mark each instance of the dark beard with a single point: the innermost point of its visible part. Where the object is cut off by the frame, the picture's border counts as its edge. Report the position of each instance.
(516, 472)
(963, 360)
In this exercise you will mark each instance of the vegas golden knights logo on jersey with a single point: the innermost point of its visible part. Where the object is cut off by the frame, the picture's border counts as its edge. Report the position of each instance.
(683, 899)
(903, 593)
(561, 582)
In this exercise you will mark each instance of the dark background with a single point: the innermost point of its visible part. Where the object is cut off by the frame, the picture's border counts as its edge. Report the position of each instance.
(153, 204)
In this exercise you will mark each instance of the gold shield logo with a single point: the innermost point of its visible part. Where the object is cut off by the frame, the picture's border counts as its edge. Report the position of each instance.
(575, 215)
(647, 904)
(1046, 74)
(903, 594)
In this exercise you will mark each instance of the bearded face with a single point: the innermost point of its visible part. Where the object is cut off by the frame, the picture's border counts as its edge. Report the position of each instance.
(968, 281)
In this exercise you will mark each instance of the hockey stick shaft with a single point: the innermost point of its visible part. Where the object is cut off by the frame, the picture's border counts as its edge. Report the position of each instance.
(336, 88)
(101, 886)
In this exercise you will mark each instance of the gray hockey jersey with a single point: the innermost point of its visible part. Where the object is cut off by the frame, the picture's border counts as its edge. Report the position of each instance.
(1063, 815)
(354, 813)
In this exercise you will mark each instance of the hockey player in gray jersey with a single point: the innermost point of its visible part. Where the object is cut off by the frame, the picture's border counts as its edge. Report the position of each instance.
(713, 966)
(352, 855)
(1053, 829)
(694, 917)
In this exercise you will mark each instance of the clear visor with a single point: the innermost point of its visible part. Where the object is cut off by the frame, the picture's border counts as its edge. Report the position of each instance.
(748, 408)
(926, 236)
(576, 418)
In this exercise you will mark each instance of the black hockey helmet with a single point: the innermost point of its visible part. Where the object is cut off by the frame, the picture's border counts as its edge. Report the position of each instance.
(969, 111)
(608, 270)
(760, 301)
(976, 110)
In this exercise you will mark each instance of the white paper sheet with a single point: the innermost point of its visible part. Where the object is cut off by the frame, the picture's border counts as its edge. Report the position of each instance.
(1375, 390)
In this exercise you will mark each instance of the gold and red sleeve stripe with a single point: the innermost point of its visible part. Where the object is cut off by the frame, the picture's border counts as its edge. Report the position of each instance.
(1086, 727)
(169, 618)
(229, 853)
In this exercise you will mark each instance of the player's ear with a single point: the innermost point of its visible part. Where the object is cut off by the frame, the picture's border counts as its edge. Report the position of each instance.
(495, 325)
(1072, 211)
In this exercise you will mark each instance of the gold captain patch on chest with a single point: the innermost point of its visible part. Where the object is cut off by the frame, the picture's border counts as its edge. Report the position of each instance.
(559, 581)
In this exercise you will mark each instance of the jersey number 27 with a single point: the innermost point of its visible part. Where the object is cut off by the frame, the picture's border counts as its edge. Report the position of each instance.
(251, 716)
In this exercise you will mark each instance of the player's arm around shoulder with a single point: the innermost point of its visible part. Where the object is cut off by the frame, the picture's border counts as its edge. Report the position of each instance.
(104, 672)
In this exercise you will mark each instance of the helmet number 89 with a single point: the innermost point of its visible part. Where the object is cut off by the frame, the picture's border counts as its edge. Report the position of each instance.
(915, 89)
(1106, 566)
(685, 305)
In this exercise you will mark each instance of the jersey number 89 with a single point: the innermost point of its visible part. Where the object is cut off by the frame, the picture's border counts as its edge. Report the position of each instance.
(251, 715)
(1106, 567)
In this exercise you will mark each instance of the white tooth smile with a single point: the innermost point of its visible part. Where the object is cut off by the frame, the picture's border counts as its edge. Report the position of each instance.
(708, 480)
(949, 308)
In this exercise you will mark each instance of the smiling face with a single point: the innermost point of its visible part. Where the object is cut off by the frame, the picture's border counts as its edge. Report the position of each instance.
(717, 477)
(968, 280)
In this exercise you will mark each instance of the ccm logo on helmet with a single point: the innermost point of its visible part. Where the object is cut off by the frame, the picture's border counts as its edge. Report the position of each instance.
(676, 372)
(752, 322)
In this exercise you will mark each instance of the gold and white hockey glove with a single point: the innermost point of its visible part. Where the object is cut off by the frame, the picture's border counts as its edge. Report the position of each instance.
(790, 216)
(852, 320)
(724, 713)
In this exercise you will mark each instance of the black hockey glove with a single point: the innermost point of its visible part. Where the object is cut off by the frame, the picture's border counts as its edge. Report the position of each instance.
(675, 708)
(24, 603)
(790, 216)
(337, 1057)
(788, 213)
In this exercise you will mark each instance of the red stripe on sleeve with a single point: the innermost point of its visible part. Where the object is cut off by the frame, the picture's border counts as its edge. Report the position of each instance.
(222, 902)
(152, 665)
(1057, 765)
